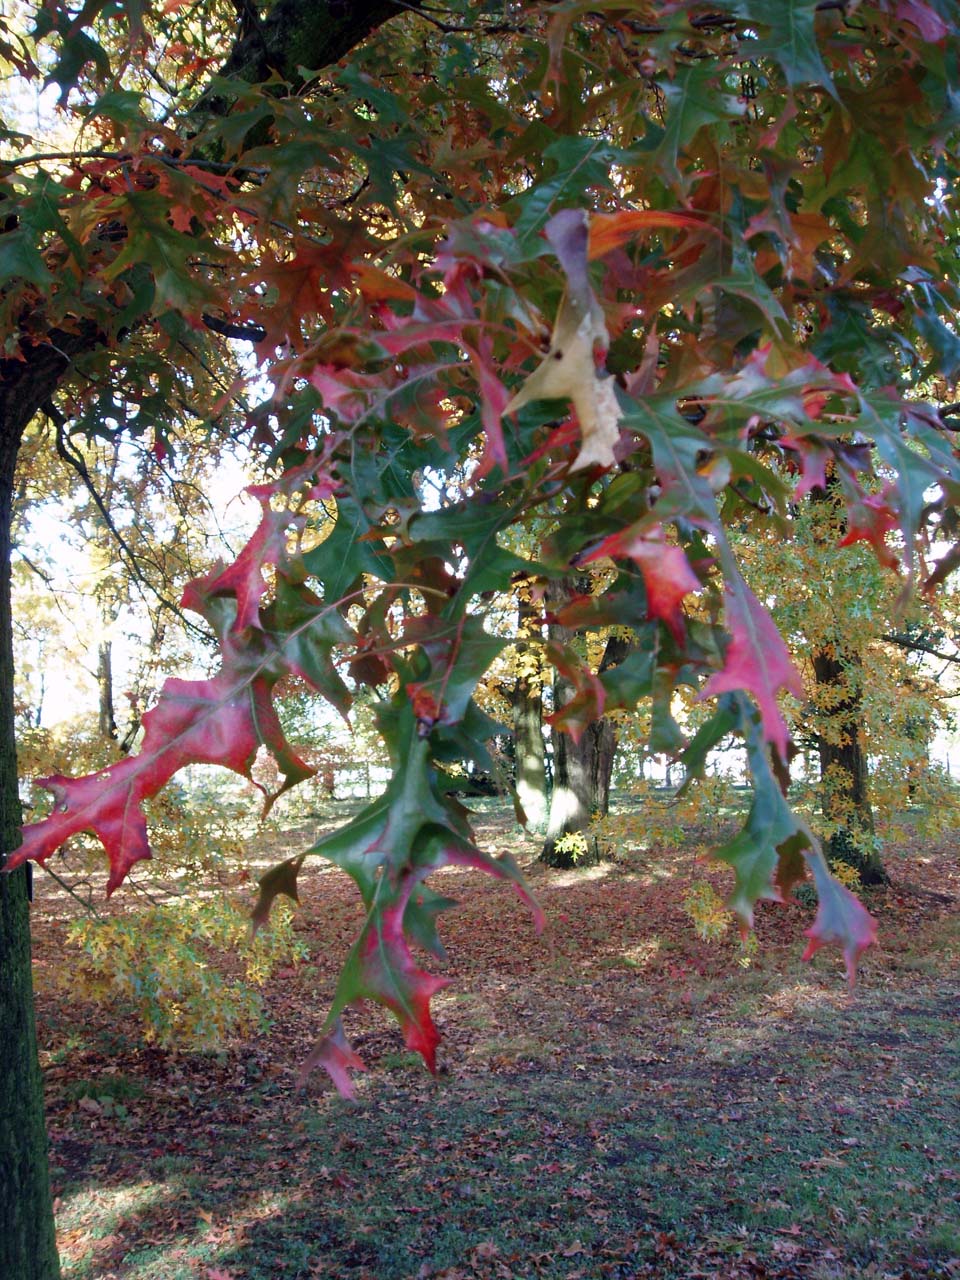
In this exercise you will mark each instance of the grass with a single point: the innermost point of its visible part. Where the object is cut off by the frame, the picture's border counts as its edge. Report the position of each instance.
(618, 1099)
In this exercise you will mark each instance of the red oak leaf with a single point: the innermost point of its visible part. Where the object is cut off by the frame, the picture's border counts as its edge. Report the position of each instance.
(377, 285)
(388, 974)
(841, 918)
(666, 571)
(224, 720)
(814, 457)
(304, 286)
(106, 803)
(608, 231)
(927, 21)
(756, 660)
(346, 392)
(221, 721)
(433, 320)
(425, 706)
(181, 218)
(244, 578)
(870, 520)
(381, 966)
(557, 443)
(494, 398)
(333, 1052)
(311, 478)
(457, 853)
(386, 970)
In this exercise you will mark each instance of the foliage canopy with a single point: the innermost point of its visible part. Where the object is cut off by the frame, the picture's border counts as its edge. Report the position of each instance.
(629, 274)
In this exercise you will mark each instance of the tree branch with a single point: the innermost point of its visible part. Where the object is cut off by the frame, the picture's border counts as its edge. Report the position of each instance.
(233, 329)
(299, 34)
(26, 384)
(920, 646)
(35, 568)
(77, 463)
(945, 566)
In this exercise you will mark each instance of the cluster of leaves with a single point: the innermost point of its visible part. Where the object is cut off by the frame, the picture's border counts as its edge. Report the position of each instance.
(161, 962)
(893, 662)
(608, 303)
(575, 845)
(706, 909)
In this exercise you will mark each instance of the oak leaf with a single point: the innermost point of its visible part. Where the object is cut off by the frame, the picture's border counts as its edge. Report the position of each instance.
(841, 918)
(569, 370)
(756, 660)
(667, 574)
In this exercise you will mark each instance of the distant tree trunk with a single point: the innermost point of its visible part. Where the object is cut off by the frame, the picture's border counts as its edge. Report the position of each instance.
(27, 1243)
(581, 770)
(844, 771)
(844, 775)
(529, 751)
(570, 800)
(107, 720)
(602, 755)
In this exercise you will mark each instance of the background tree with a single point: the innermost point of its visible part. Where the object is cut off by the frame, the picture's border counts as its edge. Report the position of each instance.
(586, 288)
(584, 748)
(105, 538)
(877, 682)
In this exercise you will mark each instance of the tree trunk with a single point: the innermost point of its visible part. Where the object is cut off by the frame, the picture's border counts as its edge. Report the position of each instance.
(581, 770)
(602, 754)
(844, 771)
(107, 720)
(28, 1248)
(844, 775)
(529, 754)
(27, 1241)
(581, 788)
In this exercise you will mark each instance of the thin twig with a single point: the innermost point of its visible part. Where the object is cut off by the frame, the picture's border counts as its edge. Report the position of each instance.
(35, 568)
(86, 903)
(77, 463)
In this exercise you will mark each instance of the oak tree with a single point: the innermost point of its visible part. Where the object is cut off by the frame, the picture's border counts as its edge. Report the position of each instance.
(619, 266)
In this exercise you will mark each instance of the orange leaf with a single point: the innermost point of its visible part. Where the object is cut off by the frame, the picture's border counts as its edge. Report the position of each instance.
(609, 231)
(377, 285)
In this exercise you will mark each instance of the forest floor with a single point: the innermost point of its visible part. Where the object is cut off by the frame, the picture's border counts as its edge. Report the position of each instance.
(616, 1098)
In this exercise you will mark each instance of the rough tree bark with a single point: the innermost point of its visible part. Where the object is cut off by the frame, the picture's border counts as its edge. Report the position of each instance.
(107, 721)
(27, 1242)
(844, 769)
(581, 786)
(303, 34)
